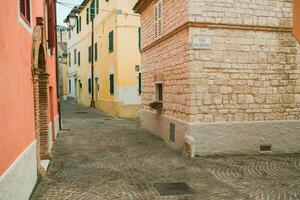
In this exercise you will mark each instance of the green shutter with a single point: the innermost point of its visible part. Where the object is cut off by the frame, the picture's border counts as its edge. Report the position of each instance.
(90, 54)
(111, 41)
(97, 6)
(92, 8)
(90, 85)
(111, 83)
(78, 58)
(140, 38)
(140, 83)
(77, 25)
(87, 15)
(96, 51)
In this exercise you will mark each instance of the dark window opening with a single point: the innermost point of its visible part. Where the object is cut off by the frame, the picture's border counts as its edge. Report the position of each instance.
(69, 59)
(90, 85)
(111, 41)
(87, 16)
(111, 84)
(78, 58)
(97, 6)
(70, 87)
(24, 7)
(140, 83)
(140, 38)
(159, 92)
(90, 54)
(96, 51)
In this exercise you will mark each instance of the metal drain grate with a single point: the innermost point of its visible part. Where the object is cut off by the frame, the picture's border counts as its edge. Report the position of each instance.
(167, 189)
(265, 148)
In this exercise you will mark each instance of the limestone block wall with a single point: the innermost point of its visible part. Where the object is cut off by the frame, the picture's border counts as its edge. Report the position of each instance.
(246, 12)
(245, 76)
(167, 62)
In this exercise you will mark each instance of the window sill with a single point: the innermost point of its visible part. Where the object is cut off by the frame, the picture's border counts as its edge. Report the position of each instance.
(157, 105)
(25, 24)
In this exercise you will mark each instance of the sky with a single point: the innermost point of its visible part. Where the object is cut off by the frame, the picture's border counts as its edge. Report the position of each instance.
(64, 10)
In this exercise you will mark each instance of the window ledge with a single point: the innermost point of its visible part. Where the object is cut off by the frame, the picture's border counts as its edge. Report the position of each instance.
(25, 24)
(157, 105)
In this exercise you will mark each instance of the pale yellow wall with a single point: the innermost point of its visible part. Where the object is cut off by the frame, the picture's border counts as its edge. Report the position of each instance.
(121, 61)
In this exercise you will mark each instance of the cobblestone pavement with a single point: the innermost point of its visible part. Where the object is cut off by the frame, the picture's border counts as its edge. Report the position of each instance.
(100, 157)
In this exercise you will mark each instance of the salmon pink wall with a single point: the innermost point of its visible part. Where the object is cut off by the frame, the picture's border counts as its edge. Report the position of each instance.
(297, 19)
(17, 128)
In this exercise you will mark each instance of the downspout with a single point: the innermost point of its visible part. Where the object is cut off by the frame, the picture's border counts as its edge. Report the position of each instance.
(56, 60)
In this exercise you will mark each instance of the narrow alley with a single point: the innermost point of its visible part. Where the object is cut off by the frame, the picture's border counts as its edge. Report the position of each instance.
(100, 157)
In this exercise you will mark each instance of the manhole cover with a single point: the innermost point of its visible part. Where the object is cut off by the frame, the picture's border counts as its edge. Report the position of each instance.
(166, 189)
(80, 113)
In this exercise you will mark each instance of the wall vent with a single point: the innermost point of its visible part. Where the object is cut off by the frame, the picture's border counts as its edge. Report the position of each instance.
(172, 132)
(265, 148)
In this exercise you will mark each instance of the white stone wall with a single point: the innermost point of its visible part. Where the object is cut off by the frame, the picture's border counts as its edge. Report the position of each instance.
(246, 137)
(20, 178)
(246, 12)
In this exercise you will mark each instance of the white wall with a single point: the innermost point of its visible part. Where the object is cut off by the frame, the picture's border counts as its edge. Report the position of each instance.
(19, 180)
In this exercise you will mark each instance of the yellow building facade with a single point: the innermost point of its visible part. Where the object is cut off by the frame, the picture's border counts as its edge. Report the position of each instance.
(117, 78)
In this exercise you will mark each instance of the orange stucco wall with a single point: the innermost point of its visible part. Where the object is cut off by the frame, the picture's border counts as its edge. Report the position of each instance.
(297, 19)
(17, 129)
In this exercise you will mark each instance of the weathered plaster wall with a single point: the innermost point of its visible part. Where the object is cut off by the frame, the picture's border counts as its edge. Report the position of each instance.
(16, 87)
(18, 166)
(121, 62)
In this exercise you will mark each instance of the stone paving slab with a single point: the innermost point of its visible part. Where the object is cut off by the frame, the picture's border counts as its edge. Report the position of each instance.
(101, 157)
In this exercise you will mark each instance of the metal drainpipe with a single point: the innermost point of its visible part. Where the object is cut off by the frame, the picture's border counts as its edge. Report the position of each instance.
(56, 58)
(93, 104)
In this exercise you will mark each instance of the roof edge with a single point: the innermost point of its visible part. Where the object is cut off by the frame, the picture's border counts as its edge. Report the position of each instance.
(141, 5)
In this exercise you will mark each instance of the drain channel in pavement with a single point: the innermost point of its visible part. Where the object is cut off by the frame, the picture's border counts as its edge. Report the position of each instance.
(166, 189)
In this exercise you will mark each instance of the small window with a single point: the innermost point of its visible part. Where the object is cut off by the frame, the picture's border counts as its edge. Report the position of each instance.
(90, 85)
(78, 58)
(159, 91)
(158, 19)
(111, 41)
(111, 84)
(24, 6)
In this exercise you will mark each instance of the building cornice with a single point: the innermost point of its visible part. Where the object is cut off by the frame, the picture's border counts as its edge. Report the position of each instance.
(187, 25)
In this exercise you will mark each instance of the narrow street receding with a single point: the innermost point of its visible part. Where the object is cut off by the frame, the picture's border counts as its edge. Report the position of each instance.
(102, 157)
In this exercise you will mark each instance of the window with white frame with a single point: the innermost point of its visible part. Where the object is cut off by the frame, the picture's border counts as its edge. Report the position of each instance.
(158, 19)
